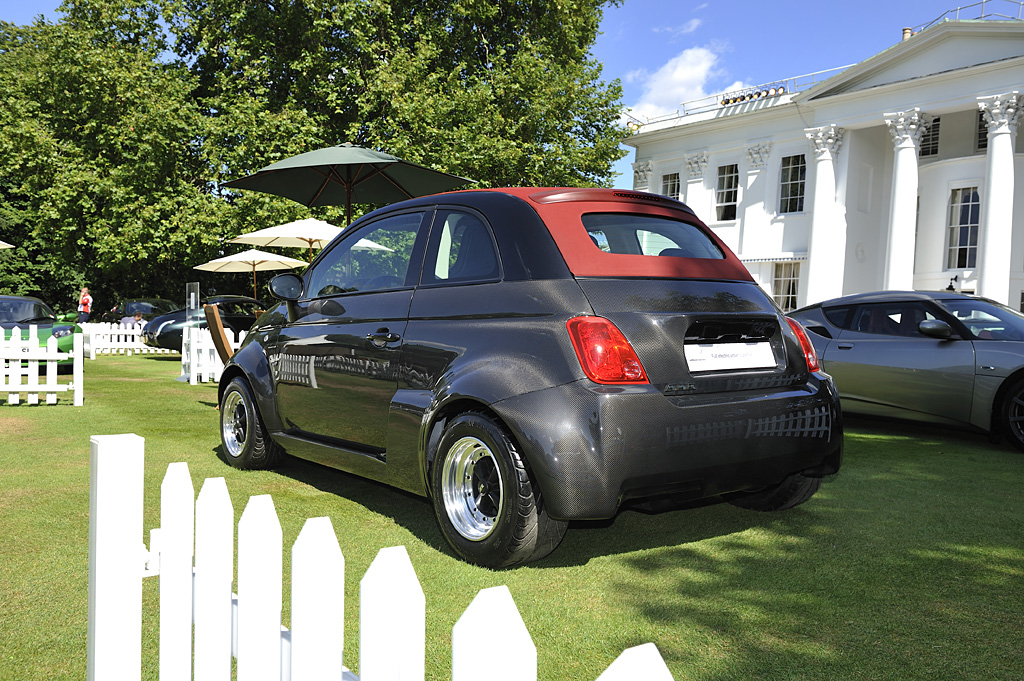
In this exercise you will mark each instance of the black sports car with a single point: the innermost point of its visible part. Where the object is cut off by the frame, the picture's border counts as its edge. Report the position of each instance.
(148, 307)
(525, 357)
(237, 312)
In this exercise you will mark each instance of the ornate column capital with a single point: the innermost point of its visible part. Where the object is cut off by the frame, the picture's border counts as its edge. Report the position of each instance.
(1001, 112)
(906, 127)
(758, 155)
(642, 174)
(826, 140)
(697, 163)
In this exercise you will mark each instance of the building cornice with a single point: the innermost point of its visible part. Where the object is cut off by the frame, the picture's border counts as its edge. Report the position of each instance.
(926, 40)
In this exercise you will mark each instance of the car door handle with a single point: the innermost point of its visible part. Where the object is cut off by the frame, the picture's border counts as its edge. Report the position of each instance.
(845, 346)
(382, 337)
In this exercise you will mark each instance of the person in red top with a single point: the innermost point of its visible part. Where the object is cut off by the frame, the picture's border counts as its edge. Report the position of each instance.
(84, 306)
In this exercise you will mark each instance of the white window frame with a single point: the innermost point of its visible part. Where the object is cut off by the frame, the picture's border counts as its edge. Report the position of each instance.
(786, 284)
(954, 231)
(929, 145)
(799, 191)
(667, 180)
(724, 194)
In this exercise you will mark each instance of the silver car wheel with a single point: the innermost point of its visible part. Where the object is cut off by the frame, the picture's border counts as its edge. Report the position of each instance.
(472, 488)
(234, 424)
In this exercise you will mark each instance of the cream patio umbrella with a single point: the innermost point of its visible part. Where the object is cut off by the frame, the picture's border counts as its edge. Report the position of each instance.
(306, 233)
(4, 244)
(251, 260)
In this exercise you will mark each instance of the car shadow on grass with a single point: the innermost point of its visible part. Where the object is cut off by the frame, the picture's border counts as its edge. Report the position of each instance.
(630, 530)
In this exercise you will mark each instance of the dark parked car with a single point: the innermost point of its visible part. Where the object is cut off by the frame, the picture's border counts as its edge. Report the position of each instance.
(149, 307)
(936, 357)
(25, 311)
(525, 357)
(237, 312)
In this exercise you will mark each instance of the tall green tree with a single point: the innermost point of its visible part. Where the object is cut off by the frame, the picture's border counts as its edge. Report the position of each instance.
(502, 91)
(123, 119)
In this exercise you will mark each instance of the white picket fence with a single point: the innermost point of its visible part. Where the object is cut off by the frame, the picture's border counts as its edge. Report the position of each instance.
(21, 356)
(199, 359)
(115, 338)
(195, 591)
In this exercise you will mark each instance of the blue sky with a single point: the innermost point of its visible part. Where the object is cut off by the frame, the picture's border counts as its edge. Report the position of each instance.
(666, 52)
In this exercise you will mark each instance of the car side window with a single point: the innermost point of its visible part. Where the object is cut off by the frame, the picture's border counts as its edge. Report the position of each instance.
(891, 319)
(840, 316)
(461, 250)
(376, 257)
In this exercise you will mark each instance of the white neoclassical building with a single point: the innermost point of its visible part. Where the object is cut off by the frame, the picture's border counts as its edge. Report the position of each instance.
(895, 173)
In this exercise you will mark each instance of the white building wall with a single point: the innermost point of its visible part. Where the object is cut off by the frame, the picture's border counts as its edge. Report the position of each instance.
(943, 74)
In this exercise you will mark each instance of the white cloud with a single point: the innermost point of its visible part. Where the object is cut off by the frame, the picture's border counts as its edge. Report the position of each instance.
(690, 75)
(676, 31)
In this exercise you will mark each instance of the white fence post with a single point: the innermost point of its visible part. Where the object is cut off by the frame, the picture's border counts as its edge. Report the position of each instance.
(493, 613)
(116, 558)
(392, 611)
(640, 662)
(25, 349)
(318, 603)
(215, 561)
(259, 591)
(77, 365)
(177, 525)
(392, 619)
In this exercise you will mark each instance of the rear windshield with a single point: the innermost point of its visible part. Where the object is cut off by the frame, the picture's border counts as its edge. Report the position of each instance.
(626, 234)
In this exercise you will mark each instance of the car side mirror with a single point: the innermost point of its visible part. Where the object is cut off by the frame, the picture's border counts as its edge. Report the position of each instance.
(935, 328)
(286, 287)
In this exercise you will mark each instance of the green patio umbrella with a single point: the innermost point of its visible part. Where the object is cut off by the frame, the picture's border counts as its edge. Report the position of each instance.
(347, 174)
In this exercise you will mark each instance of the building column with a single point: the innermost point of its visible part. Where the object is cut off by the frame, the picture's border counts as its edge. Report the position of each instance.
(906, 129)
(754, 191)
(826, 247)
(1002, 115)
(695, 192)
(642, 171)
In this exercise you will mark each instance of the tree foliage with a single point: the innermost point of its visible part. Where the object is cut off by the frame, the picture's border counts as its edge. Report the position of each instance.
(124, 118)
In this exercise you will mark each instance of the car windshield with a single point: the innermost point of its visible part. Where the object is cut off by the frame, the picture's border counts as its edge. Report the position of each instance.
(987, 320)
(238, 308)
(628, 234)
(153, 307)
(24, 311)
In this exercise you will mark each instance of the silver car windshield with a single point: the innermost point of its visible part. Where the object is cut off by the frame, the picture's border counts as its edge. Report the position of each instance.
(987, 320)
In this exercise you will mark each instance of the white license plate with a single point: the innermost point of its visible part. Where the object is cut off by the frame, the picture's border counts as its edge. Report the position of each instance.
(726, 356)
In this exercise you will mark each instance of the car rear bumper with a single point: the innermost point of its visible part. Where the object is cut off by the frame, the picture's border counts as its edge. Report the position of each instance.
(592, 447)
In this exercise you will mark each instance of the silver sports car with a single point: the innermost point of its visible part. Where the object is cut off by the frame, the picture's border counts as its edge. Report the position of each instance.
(938, 357)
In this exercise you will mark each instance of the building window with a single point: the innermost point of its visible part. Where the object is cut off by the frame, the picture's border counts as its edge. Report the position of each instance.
(930, 139)
(964, 210)
(727, 191)
(981, 140)
(791, 187)
(785, 284)
(670, 185)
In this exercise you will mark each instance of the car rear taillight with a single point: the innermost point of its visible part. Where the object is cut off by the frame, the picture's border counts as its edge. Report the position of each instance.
(805, 344)
(604, 353)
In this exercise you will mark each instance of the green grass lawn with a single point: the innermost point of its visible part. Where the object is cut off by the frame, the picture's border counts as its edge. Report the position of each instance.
(907, 565)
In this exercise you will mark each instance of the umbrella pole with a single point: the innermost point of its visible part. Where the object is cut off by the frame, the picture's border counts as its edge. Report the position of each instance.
(254, 282)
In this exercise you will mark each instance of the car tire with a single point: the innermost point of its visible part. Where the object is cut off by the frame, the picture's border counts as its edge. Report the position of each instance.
(242, 432)
(488, 507)
(1012, 414)
(793, 491)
